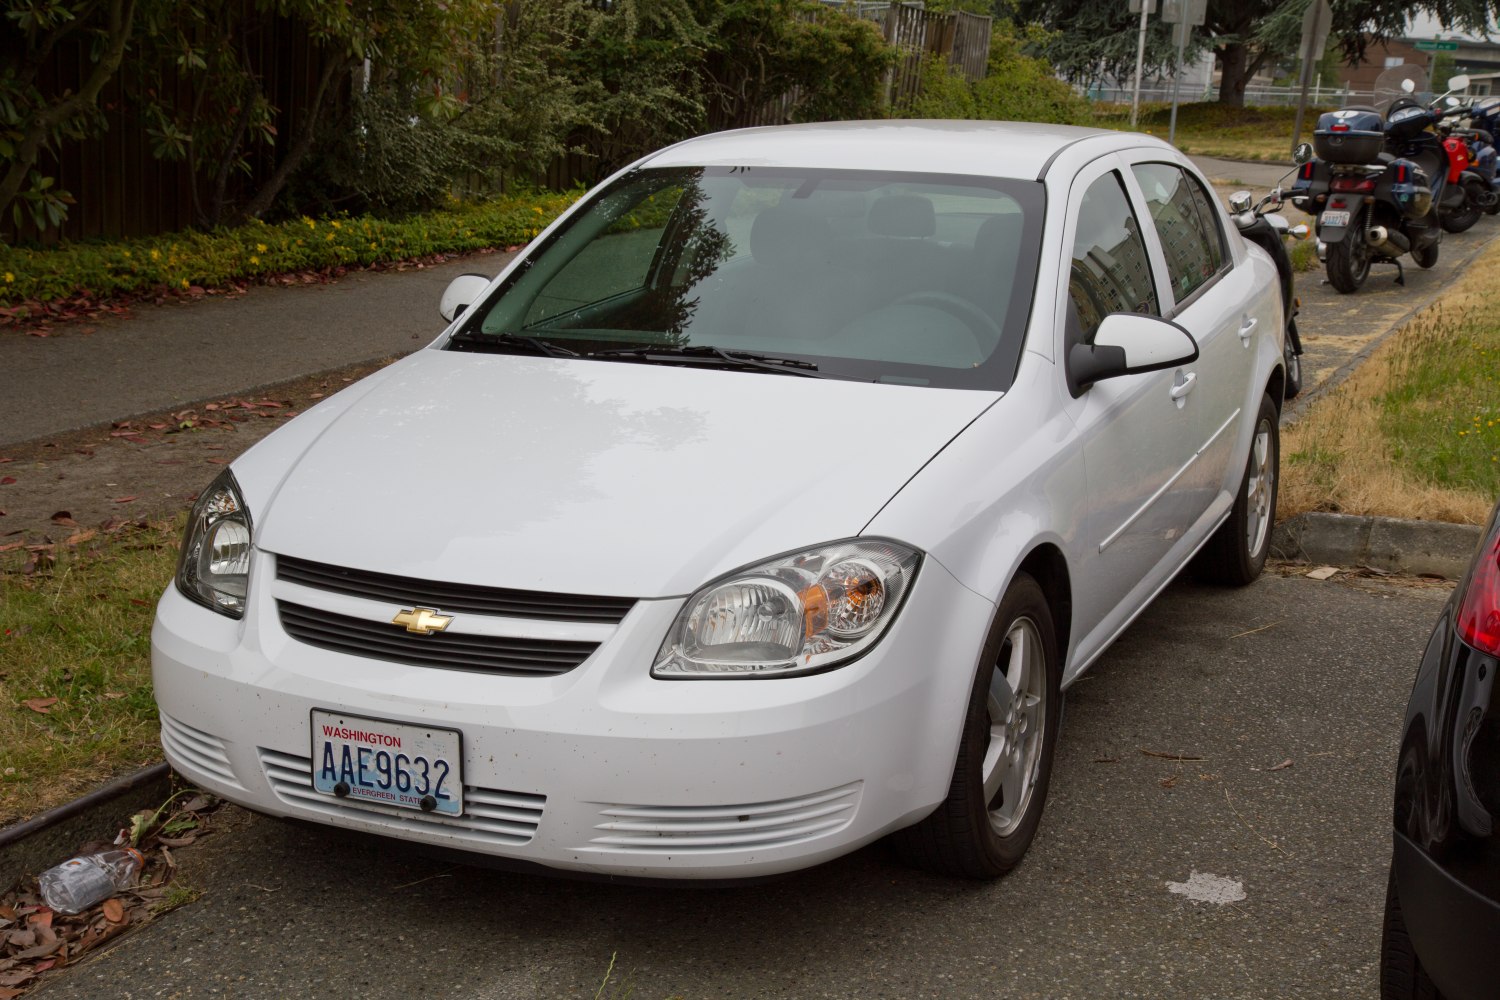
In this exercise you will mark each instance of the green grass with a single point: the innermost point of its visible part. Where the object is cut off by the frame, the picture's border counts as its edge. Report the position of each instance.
(78, 630)
(1416, 431)
(1211, 129)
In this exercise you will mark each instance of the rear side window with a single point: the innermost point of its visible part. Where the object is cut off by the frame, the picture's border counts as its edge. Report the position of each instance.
(1110, 271)
(1185, 222)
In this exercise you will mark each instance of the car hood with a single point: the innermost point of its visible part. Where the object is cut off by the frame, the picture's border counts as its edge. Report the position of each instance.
(588, 477)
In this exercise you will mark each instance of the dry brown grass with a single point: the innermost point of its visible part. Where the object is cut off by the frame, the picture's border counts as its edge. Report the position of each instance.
(1415, 431)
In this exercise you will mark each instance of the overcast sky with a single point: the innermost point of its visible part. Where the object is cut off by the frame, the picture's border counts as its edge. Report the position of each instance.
(1427, 26)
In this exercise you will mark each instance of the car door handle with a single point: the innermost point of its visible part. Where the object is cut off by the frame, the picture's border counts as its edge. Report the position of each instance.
(1183, 385)
(1247, 327)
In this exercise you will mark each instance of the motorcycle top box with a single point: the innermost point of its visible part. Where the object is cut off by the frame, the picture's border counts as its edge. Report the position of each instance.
(1353, 135)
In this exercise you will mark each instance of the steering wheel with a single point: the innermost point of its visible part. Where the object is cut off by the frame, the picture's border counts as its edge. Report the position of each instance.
(985, 329)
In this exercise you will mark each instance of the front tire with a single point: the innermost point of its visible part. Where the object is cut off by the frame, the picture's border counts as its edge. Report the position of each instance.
(1426, 256)
(999, 785)
(1236, 553)
(1293, 362)
(1464, 218)
(1349, 259)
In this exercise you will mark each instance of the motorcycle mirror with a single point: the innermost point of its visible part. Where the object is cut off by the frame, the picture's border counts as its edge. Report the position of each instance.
(1239, 202)
(1460, 82)
(1453, 102)
(1408, 86)
(1302, 153)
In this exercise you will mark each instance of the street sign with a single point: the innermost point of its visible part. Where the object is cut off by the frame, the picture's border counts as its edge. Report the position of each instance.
(1315, 25)
(1184, 11)
(1434, 45)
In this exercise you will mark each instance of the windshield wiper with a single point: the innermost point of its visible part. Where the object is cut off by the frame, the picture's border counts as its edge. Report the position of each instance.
(715, 355)
(506, 341)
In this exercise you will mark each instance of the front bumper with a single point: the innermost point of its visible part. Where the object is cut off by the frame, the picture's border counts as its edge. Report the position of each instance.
(1452, 927)
(601, 769)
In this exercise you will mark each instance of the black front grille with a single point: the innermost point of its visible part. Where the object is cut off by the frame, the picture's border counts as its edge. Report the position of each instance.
(447, 650)
(452, 597)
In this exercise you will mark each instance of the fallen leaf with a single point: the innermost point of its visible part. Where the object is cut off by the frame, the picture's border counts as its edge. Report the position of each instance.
(41, 918)
(7, 480)
(112, 695)
(78, 538)
(140, 603)
(1282, 766)
(1322, 572)
(133, 496)
(42, 706)
(1168, 781)
(1168, 756)
(114, 911)
(64, 517)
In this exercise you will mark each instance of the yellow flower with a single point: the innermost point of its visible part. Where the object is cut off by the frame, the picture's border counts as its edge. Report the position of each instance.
(372, 246)
(260, 248)
(126, 252)
(310, 223)
(328, 238)
(184, 283)
(9, 278)
(254, 259)
(155, 254)
(537, 209)
(336, 224)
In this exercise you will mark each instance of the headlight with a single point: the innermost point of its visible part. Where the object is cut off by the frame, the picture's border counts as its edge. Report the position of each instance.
(797, 614)
(213, 567)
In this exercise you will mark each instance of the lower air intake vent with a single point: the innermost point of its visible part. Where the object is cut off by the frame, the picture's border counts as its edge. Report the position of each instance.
(491, 816)
(704, 829)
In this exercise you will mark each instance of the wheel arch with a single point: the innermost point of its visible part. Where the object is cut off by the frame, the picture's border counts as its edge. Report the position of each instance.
(1049, 568)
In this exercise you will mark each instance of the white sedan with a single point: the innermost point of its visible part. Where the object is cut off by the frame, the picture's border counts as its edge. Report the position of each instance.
(764, 507)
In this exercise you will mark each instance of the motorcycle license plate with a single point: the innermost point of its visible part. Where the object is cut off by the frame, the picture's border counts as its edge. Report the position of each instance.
(390, 763)
(1336, 218)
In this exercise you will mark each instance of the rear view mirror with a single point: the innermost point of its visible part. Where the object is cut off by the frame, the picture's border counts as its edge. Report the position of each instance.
(1239, 202)
(462, 292)
(1303, 153)
(1460, 82)
(1128, 344)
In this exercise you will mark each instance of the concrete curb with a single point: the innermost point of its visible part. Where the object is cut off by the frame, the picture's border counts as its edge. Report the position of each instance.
(92, 816)
(1388, 543)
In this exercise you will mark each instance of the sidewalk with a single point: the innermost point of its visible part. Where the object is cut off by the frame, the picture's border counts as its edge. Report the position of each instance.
(163, 357)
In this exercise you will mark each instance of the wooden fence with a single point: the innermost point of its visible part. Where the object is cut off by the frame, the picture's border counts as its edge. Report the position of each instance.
(123, 190)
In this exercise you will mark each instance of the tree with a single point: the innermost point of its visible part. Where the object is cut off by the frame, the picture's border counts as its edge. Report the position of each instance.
(34, 121)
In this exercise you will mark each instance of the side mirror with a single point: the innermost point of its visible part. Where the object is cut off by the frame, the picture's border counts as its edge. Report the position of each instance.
(1129, 344)
(1452, 102)
(1303, 153)
(462, 292)
(1460, 82)
(1239, 202)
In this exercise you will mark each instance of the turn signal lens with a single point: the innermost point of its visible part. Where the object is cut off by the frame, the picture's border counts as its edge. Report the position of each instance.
(799, 614)
(1479, 611)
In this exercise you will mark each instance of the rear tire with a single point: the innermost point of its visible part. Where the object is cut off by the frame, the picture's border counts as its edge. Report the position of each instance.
(1426, 256)
(1236, 553)
(999, 785)
(1349, 259)
(1463, 218)
(1401, 974)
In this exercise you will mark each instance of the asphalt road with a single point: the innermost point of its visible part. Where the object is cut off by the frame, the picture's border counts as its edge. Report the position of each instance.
(1287, 670)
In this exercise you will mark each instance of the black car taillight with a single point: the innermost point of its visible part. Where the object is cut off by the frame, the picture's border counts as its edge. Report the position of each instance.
(1478, 619)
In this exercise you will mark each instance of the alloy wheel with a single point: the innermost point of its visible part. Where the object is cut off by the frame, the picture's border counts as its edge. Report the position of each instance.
(1259, 488)
(1017, 708)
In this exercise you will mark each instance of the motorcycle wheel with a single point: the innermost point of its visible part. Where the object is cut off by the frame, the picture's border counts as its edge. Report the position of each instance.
(1425, 256)
(1293, 372)
(1349, 260)
(1461, 219)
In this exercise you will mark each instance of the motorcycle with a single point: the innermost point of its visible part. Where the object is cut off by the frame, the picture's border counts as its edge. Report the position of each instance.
(1259, 223)
(1378, 182)
(1471, 167)
(1484, 119)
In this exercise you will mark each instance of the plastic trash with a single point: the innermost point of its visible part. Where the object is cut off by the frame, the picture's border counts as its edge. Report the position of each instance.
(79, 883)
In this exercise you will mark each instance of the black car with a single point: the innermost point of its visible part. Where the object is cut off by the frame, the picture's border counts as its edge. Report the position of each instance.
(1442, 910)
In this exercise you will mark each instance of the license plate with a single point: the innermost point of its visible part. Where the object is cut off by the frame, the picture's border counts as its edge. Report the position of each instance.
(391, 763)
(1335, 218)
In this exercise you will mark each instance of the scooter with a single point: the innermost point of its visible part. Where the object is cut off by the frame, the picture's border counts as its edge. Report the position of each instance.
(1259, 223)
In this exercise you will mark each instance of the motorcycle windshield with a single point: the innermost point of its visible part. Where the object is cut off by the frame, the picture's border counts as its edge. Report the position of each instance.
(1392, 84)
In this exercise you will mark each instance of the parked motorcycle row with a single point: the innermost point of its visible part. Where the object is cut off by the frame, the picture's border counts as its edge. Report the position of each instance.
(1387, 180)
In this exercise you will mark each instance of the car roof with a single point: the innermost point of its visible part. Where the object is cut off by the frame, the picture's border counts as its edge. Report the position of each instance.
(983, 148)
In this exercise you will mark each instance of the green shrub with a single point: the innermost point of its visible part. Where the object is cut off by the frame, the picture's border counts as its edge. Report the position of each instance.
(1016, 86)
(182, 260)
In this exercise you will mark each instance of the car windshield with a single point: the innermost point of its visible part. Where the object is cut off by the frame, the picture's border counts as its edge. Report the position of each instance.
(916, 279)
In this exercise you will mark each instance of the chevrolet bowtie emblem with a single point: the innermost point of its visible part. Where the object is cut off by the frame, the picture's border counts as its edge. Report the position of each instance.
(422, 621)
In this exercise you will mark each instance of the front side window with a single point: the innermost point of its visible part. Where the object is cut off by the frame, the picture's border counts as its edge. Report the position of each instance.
(1186, 224)
(1110, 272)
(917, 279)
